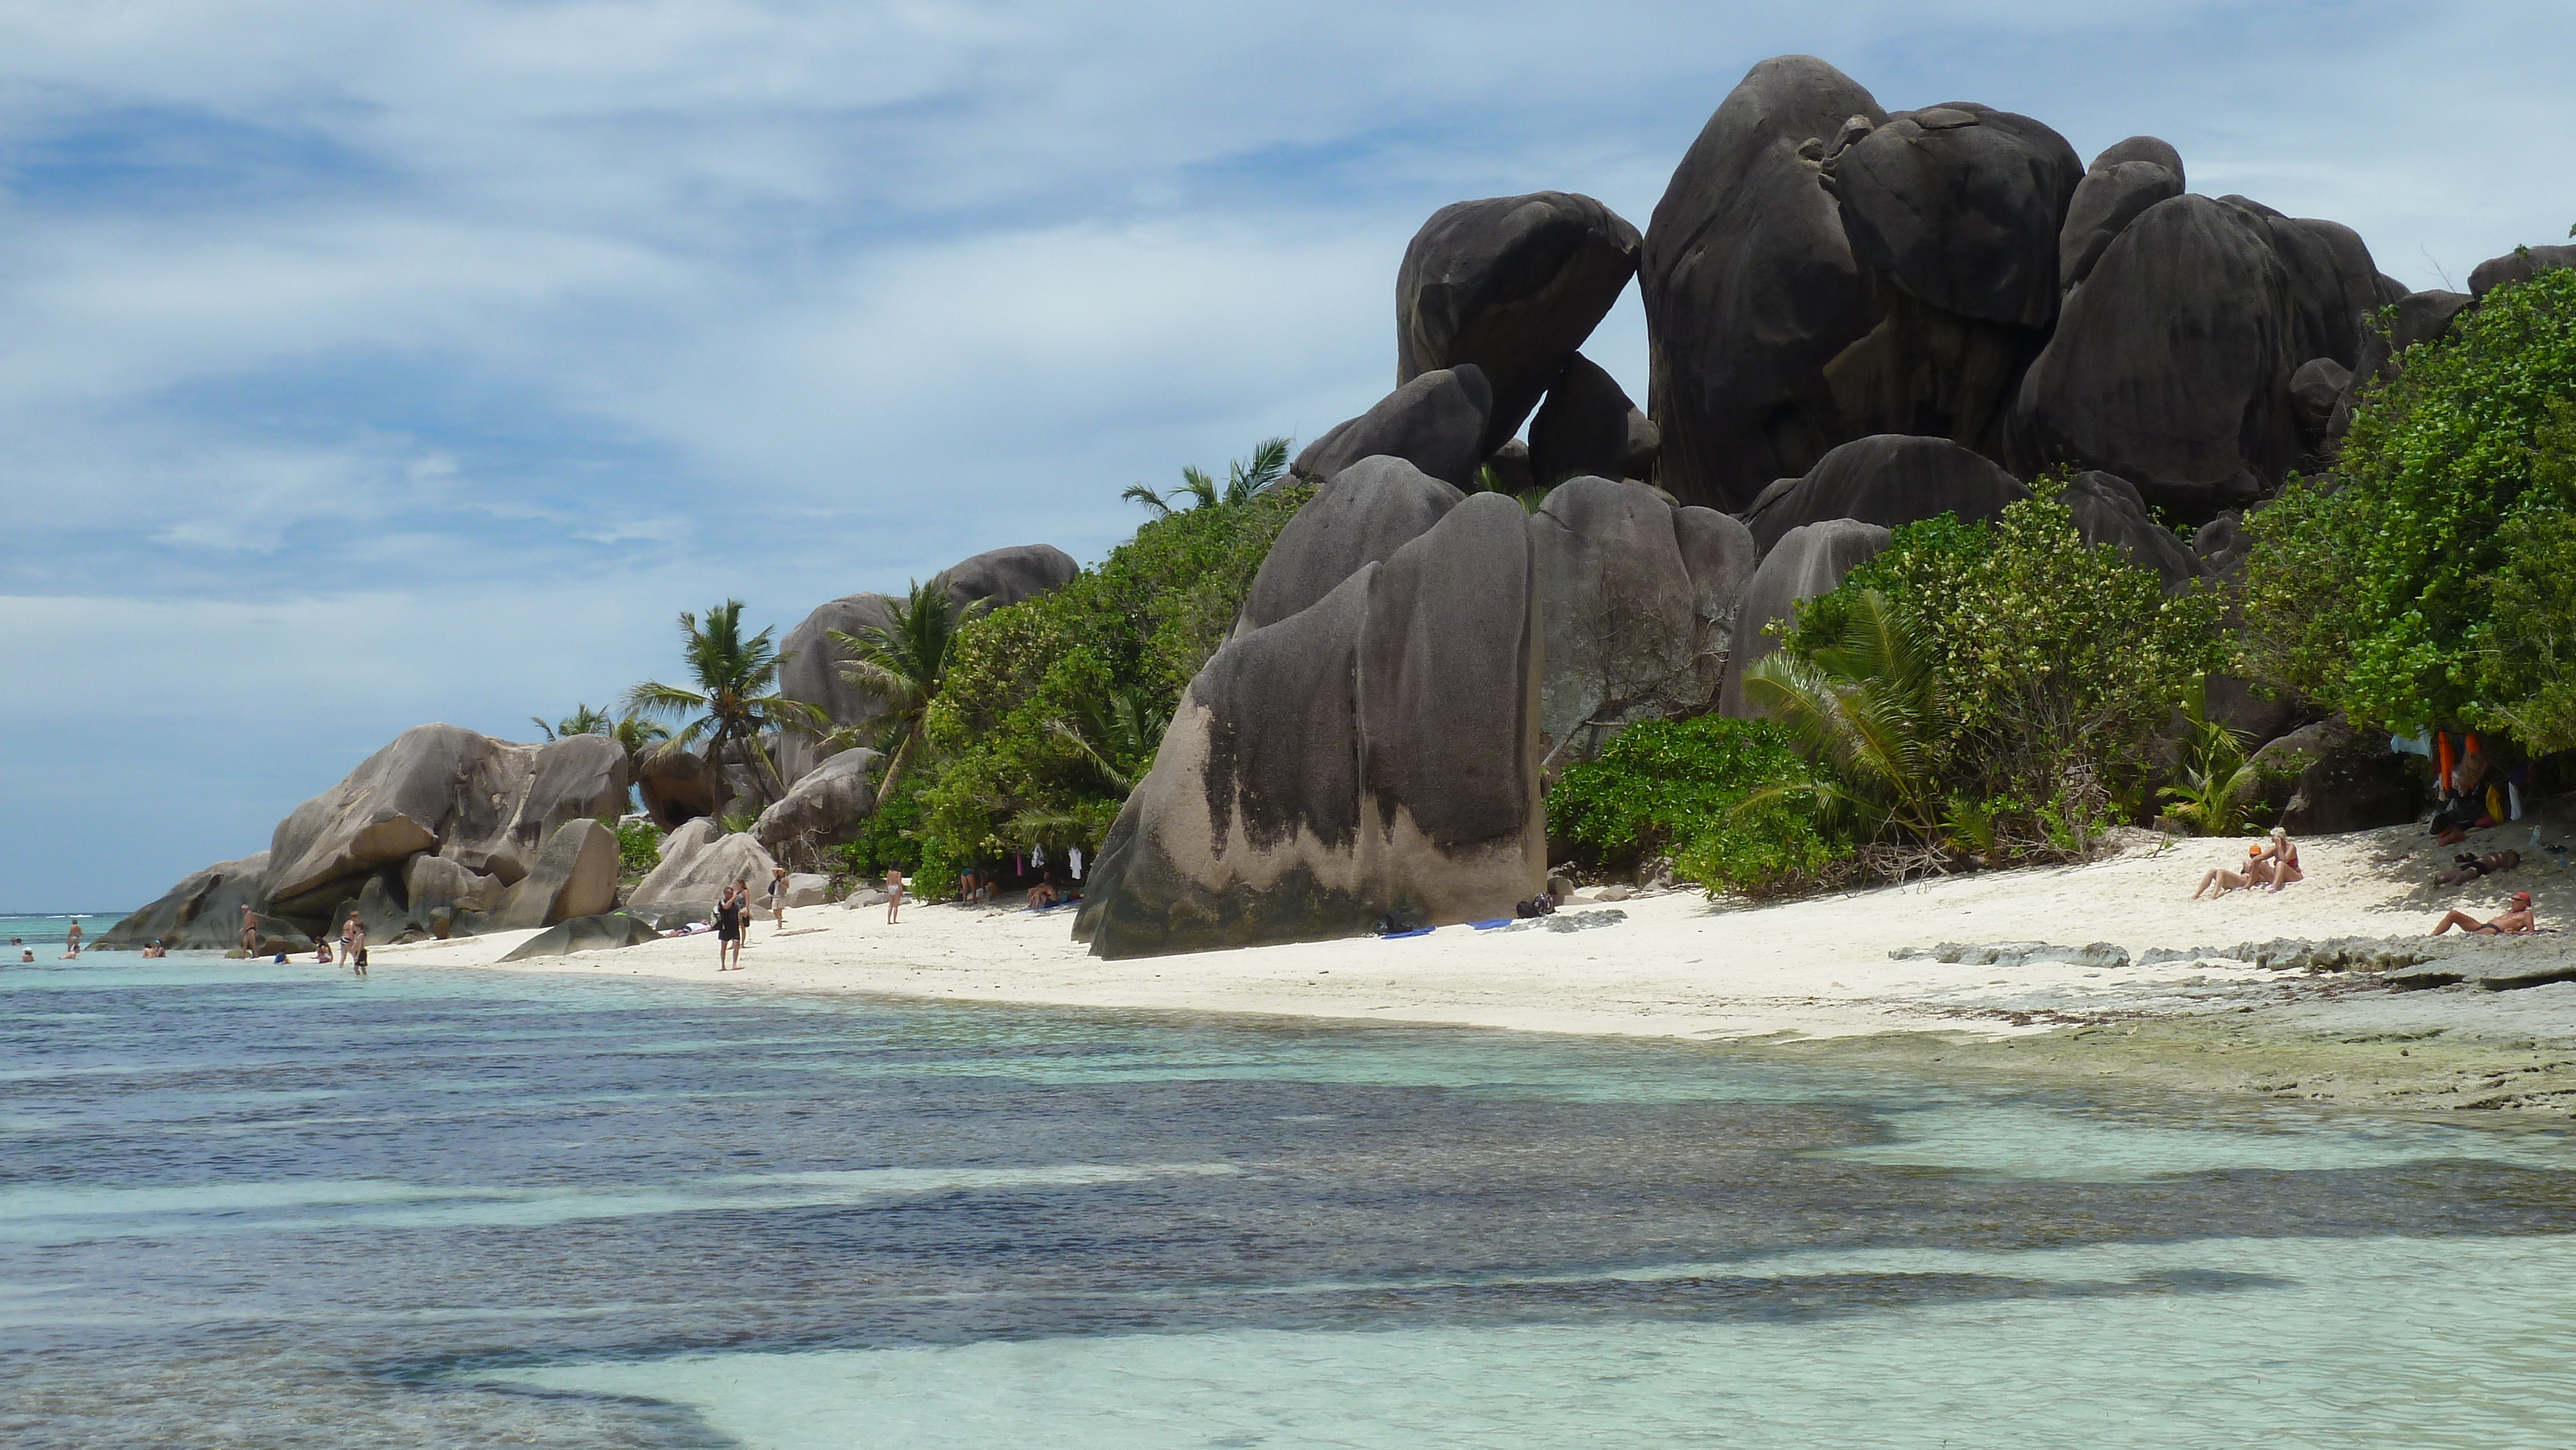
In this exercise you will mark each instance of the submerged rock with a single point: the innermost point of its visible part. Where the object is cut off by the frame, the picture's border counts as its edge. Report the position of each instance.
(584, 934)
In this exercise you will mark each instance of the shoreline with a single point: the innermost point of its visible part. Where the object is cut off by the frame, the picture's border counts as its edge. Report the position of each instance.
(1813, 978)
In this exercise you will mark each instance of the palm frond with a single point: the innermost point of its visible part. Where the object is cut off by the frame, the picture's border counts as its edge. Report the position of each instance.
(1196, 483)
(1244, 479)
(1139, 493)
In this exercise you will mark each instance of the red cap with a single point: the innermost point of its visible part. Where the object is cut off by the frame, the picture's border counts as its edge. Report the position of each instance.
(2524, 897)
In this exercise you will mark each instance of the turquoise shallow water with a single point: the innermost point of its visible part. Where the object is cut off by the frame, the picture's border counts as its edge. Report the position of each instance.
(253, 1206)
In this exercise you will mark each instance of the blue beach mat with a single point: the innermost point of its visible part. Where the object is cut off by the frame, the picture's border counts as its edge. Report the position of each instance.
(1401, 935)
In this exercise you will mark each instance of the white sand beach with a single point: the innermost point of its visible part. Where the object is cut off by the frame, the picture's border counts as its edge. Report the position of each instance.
(1676, 965)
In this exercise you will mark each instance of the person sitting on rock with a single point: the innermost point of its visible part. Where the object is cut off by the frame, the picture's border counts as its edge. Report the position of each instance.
(2516, 921)
(2473, 867)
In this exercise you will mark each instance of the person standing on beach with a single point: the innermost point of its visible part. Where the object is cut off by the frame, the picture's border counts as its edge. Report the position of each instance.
(778, 896)
(729, 909)
(72, 939)
(353, 939)
(894, 893)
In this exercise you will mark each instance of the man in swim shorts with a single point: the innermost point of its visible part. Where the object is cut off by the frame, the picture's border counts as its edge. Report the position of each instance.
(2515, 922)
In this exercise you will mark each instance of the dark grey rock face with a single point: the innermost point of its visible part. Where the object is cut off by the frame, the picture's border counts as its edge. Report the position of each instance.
(574, 875)
(2171, 364)
(580, 777)
(2108, 510)
(1588, 426)
(203, 913)
(2517, 266)
(1821, 271)
(2105, 201)
(2153, 150)
(685, 886)
(2357, 788)
(1887, 479)
(2315, 389)
(1638, 603)
(827, 806)
(1808, 561)
(1512, 284)
(1435, 421)
(809, 667)
(1960, 204)
(1372, 754)
(1751, 287)
(2420, 317)
(1361, 515)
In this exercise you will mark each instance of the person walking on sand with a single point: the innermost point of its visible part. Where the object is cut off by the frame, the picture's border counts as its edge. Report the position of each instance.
(2516, 921)
(778, 897)
(894, 893)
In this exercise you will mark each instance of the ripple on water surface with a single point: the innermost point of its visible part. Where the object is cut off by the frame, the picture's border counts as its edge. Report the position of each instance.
(243, 1205)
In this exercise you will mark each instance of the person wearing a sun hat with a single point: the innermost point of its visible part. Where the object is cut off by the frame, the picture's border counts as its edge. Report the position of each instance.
(2514, 921)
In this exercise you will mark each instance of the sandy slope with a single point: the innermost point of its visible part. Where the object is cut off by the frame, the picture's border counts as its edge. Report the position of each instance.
(1820, 969)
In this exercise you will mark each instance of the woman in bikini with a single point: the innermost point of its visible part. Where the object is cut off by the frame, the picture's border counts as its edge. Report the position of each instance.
(2278, 865)
(894, 894)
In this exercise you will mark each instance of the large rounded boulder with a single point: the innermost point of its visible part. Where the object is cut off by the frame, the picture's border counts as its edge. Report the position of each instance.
(1361, 515)
(1512, 284)
(1637, 600)
(204, 913)
(1435, 421)
(1887, 479)
(827, 806)
(1373, 755)
(1588, 427)
(2171, 364)
(1808, 561)
(1751, 288)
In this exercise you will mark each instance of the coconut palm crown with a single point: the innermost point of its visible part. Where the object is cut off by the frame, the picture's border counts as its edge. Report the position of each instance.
(736, 698)
(904, 662)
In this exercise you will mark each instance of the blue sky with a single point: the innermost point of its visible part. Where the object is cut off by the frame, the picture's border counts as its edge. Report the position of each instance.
(362, 365)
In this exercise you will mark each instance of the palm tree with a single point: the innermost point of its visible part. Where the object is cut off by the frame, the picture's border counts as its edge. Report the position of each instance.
(1117, 732)
(1244, 478)
(905, 663)
(1864, 709)
(582, 721)
(2219, 781)
(736, 699)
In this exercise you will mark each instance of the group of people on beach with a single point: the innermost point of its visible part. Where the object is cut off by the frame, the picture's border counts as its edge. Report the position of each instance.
(2275, 865)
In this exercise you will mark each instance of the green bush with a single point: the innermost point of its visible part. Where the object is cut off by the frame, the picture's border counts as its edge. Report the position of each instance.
(2055, 665)
(1689, 787)
(638, 849)
(1053, 706)
(2423, 584)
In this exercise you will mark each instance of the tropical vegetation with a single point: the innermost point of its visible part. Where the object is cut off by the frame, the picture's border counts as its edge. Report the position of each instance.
(732, 699)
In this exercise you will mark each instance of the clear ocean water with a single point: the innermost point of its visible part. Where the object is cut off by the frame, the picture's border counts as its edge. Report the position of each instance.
(244, 1205)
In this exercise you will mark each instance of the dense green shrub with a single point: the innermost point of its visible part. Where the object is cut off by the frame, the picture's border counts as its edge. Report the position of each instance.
(638, 850)
(2054, 665)
(2424, 584)
(1053, 707)
(1689, 788)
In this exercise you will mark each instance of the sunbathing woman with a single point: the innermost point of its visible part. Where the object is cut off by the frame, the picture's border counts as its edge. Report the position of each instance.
(2516, 922)
(2277, 865)
(2226, 880)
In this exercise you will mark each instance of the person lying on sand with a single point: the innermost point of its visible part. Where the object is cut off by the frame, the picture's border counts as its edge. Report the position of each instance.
(2515, 922)
(1044, 895)
(2473, 867)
